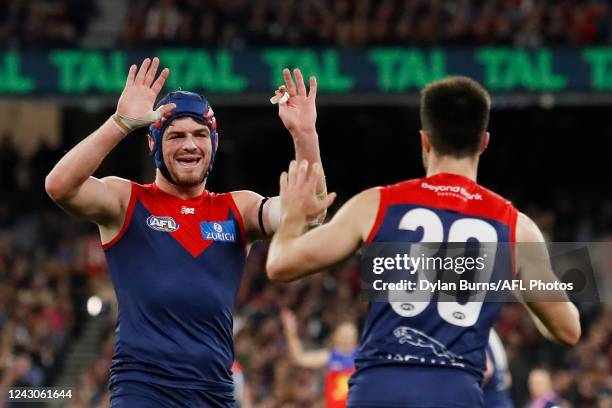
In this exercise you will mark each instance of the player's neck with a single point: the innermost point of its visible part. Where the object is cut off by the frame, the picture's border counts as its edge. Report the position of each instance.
(467, 167)
(184, 193)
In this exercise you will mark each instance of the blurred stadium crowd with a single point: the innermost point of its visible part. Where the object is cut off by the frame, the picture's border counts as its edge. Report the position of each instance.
(241, 23)
(42, 289)
(49, 265)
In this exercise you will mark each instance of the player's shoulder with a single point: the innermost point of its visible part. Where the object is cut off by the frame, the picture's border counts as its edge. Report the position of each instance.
(410, 186)
(403, 185)
(366, 199)
(491, 195)
(360, 212)
(360, 207)
(527, 230)
(244, 195)
(127, 186)
(117, 182)
(390, 193)
(244, 199)
(134, 190)
(118, 186)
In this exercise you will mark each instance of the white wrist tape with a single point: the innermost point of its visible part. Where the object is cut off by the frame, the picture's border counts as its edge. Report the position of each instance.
(127, 124)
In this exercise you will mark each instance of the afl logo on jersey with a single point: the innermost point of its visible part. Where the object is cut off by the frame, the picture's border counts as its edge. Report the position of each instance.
(163, 224)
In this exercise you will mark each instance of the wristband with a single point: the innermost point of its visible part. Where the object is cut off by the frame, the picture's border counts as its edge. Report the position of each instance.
(120, 125)
(126, 124)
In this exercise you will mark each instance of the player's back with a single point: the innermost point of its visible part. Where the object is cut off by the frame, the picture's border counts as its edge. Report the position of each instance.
(438, 337)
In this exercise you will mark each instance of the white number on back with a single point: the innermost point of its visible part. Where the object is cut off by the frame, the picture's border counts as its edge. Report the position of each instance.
(461, 230)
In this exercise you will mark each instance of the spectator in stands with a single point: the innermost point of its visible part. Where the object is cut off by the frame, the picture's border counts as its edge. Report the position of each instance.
(540, 388)
(240, 23)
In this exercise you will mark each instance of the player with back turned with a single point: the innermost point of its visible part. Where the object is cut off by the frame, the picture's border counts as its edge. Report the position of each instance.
(426, 354)
(175, 251)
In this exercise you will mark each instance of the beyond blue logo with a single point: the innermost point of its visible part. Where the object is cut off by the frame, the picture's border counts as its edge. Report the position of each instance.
(164, 224)
(224, 231)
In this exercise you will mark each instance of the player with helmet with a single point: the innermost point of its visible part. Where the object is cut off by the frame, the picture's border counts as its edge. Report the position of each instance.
(175, 251)
(417, 352)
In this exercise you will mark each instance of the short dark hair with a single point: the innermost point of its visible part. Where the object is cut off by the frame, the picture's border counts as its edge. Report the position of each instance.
(455, 115)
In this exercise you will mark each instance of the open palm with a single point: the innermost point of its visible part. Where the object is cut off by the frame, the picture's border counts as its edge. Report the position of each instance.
(299, 114)
(141, 89)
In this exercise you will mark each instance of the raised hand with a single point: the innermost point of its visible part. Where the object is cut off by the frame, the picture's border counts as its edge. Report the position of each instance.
(299, 201)
(141, 90)
(299, 114)
(289, 322)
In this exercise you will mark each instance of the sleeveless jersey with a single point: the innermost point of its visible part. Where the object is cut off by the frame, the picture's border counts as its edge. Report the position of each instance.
(442, 208)
(176, 266)
(497, 390)
(339, 369)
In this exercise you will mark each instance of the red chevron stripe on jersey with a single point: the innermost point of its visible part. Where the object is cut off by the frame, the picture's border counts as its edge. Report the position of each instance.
(186, 214)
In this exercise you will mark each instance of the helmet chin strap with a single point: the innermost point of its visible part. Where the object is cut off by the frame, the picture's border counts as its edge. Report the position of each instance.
(167, 176)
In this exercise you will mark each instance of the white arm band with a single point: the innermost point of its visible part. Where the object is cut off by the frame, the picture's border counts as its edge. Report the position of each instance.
(274, 213)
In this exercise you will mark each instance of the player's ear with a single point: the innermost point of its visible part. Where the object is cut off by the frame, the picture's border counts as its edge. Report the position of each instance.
(150, 142)
(485, 142)
(425, 143)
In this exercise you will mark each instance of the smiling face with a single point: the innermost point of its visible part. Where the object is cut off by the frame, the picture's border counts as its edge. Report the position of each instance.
(187, 149)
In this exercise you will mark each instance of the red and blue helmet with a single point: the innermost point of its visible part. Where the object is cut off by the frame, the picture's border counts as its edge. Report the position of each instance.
(188, 104)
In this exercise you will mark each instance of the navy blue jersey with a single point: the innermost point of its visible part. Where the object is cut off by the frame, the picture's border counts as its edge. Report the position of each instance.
(439, 334)
(176, 266)
(497, 390)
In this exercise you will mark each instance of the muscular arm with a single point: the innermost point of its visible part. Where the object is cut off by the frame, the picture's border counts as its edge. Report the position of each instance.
(556, 320)
(248, 203)
(299, 117)
(70, 183)
(293, 255)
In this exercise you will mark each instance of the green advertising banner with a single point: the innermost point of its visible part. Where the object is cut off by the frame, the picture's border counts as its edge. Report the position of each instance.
(369, 71)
